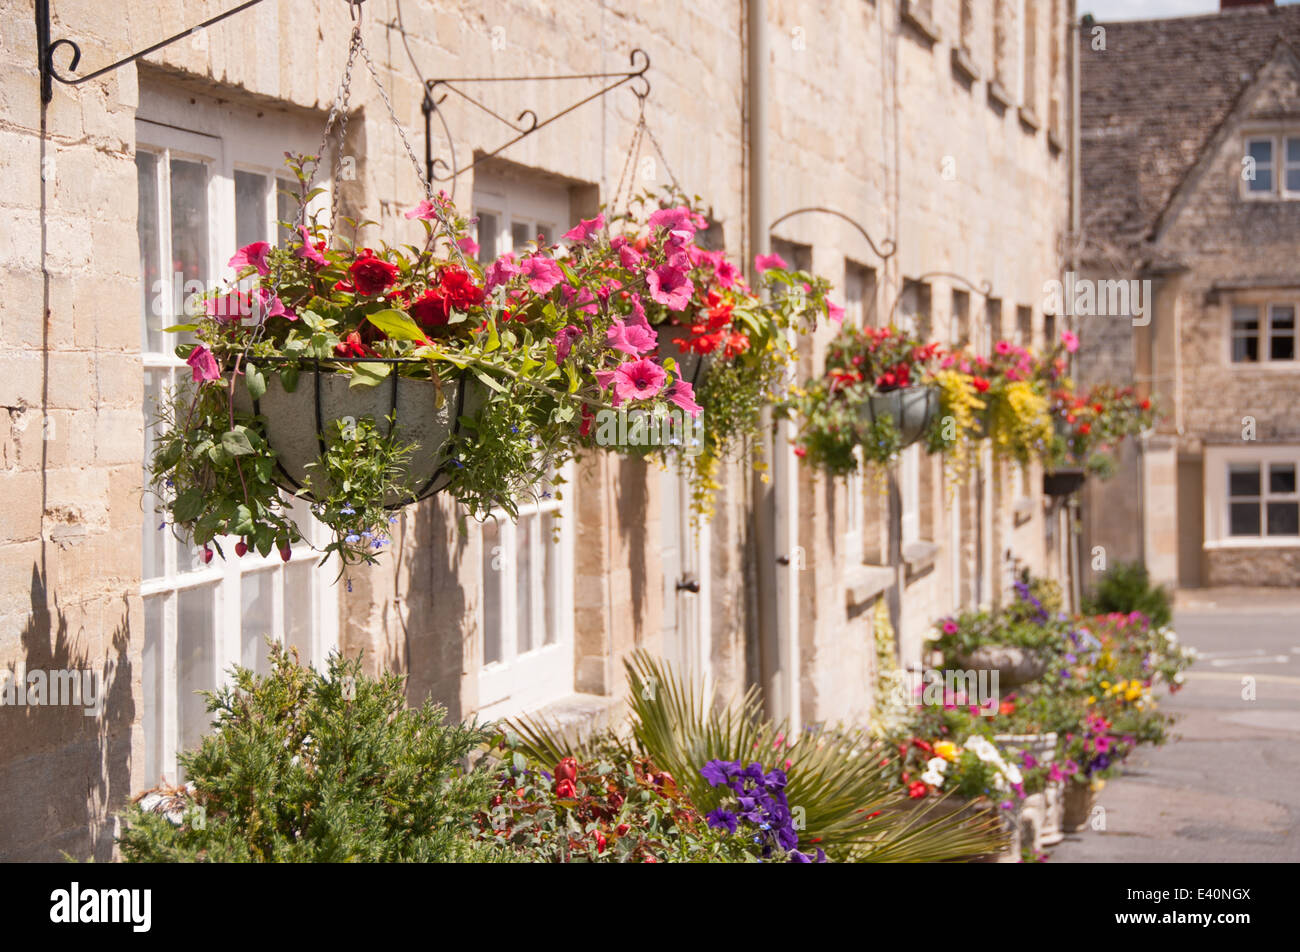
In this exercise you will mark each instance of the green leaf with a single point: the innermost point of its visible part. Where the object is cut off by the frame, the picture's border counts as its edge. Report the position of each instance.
(180, 328)
(255, 382)
(188, 505)
(243, 521)
(494, 339)
(235, 442)
(369, 374)
(489, 381)
(289, 378)
(396, 324)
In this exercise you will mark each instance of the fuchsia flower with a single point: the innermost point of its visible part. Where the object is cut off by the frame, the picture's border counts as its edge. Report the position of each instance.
(500, 271)
(633, 339)
(542, 273)
(585, 229)
(638, 379)
(1071, 341)
(204, 364)
(683, 394)
(424, 211)
(950, 627)
(564, 340)
(310, 251)
(764, 262)
(1003, 348)
(670, 287)
(252, 256)
(834, 311)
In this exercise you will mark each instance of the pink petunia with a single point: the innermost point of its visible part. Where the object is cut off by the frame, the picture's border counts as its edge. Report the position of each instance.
(468, 245)
(834, 311)
(680, 218)
(269, 305)
(630, 257)
(309, 250)
(501, 271)
(604, 379)
(670, 287)
(638, 379)
(725, 272)
(585, 229)
(424, 211)
(252, 256)
(230, 307)
(1070, 341)
(632, 339)
(204, 364)
(1003, 347)
(542, 273)
(683, 394)
(564, 340)
(765, 262)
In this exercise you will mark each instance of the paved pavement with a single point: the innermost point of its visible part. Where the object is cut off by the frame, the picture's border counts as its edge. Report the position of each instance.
(1227, 788)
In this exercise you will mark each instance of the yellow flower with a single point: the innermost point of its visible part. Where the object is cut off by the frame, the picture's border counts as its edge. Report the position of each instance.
(1092, 699)
(946, 749)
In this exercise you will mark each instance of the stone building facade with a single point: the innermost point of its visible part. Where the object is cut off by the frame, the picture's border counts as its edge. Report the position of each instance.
(1191, 162)
(941, 129)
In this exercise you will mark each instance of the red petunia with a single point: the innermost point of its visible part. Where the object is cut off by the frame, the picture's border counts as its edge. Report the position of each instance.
(372, 276)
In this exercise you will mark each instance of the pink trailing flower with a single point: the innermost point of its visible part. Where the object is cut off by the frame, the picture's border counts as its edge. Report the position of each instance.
(564, 340)
(542, 273)
(638, 379)
(670, 287)
(308, 250)
(680, 218)
(725, 272)
(1071, 341)
(229, 307)
(766, 262)
(585, 229)
(269, 305)
(252, 256)
(501, 271)
(629, 257)
(683, 394)
(204, 364)
(605, 379)
(834, 311)
(425, 211)
(632, 339)
(468, 245)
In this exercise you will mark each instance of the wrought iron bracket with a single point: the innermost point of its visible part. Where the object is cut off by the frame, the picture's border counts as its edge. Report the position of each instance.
(526, 122)
(45, 49)
(887, 243)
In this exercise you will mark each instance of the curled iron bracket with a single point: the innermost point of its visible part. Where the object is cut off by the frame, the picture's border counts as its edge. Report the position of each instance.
(887, 243)
(526, 122)
(984, 289)
(45, 49)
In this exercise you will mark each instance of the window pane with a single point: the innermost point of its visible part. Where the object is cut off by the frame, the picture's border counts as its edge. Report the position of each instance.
(151, 686)
(1262, 182)
(146, 166)
(257, 604)
(1293, 150)
(195, 664)
(189, 226)
(1245, 349)
(298, 609)
(489, 227)
(551, 542)
(1293, 179)
(250, 208)
(1243, 479)
(1284, 518)
(1243, 519)
(1281, 478)
(524, 532)
(1282, 332)
(155, 532)
(546, 232)
(520, 234)
(492, 566)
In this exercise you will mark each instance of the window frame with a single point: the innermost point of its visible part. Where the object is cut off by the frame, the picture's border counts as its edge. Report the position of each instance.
(163, 695)
(1218, 462)
(1277, 191)
(1263, 306)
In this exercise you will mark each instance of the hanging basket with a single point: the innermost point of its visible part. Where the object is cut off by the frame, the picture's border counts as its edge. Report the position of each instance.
(912, 410)
(692, 367)
(1064, 481)
(298, 420)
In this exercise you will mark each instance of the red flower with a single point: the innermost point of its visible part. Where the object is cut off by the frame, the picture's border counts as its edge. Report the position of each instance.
(800, 452)
(565, 790)
(622, 829)
(600, 842)
(1085, 428)
(566, 769)
(352, 346)
(1146, 404)
(980, 384)
(1006, 708)
(917, 790)
(372, 276)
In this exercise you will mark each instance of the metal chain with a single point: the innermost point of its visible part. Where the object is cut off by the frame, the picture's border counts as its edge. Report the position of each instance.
(633, 153)
(663, 158)
(337, 109)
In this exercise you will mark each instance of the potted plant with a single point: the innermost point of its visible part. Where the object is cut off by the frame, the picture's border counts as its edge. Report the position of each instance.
(407, 369)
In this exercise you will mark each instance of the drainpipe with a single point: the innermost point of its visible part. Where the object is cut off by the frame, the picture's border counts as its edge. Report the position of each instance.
(775, 506)
(1074, 515)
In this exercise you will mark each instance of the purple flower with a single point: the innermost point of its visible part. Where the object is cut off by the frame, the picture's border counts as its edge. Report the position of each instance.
(721, 819)
(719, 772)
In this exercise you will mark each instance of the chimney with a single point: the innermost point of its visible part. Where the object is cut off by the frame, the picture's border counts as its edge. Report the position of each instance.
(1233, 4)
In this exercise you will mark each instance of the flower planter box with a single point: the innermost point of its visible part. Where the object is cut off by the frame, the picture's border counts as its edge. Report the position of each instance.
(1080, 798)
(1014, 665)
(911, 409)
(1045, 808)
(693, 367)
(297, 421)
(1064, 481)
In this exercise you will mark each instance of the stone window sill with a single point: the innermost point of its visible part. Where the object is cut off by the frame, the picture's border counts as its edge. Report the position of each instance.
(864, 583)
(919, 20)
(1022, 510)
(579, 716)
(1029, 119)
(920, 557)
(963, 65)
(998, 94)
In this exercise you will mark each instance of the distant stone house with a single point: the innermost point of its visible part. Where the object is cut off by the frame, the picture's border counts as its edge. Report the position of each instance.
(1191, 181)
(942, 129)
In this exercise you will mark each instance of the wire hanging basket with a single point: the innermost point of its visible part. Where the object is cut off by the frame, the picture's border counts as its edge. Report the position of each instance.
(910, 409)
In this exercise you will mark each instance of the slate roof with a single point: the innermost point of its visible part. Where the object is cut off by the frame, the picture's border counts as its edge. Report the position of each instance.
(1154, 98)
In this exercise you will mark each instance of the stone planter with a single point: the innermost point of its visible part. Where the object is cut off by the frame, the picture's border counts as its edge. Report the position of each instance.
(692, 366)
(297, 420)
(1014, 665)
(1046, 807)
(911, 409)
(1080, 798)
(1064, 481)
